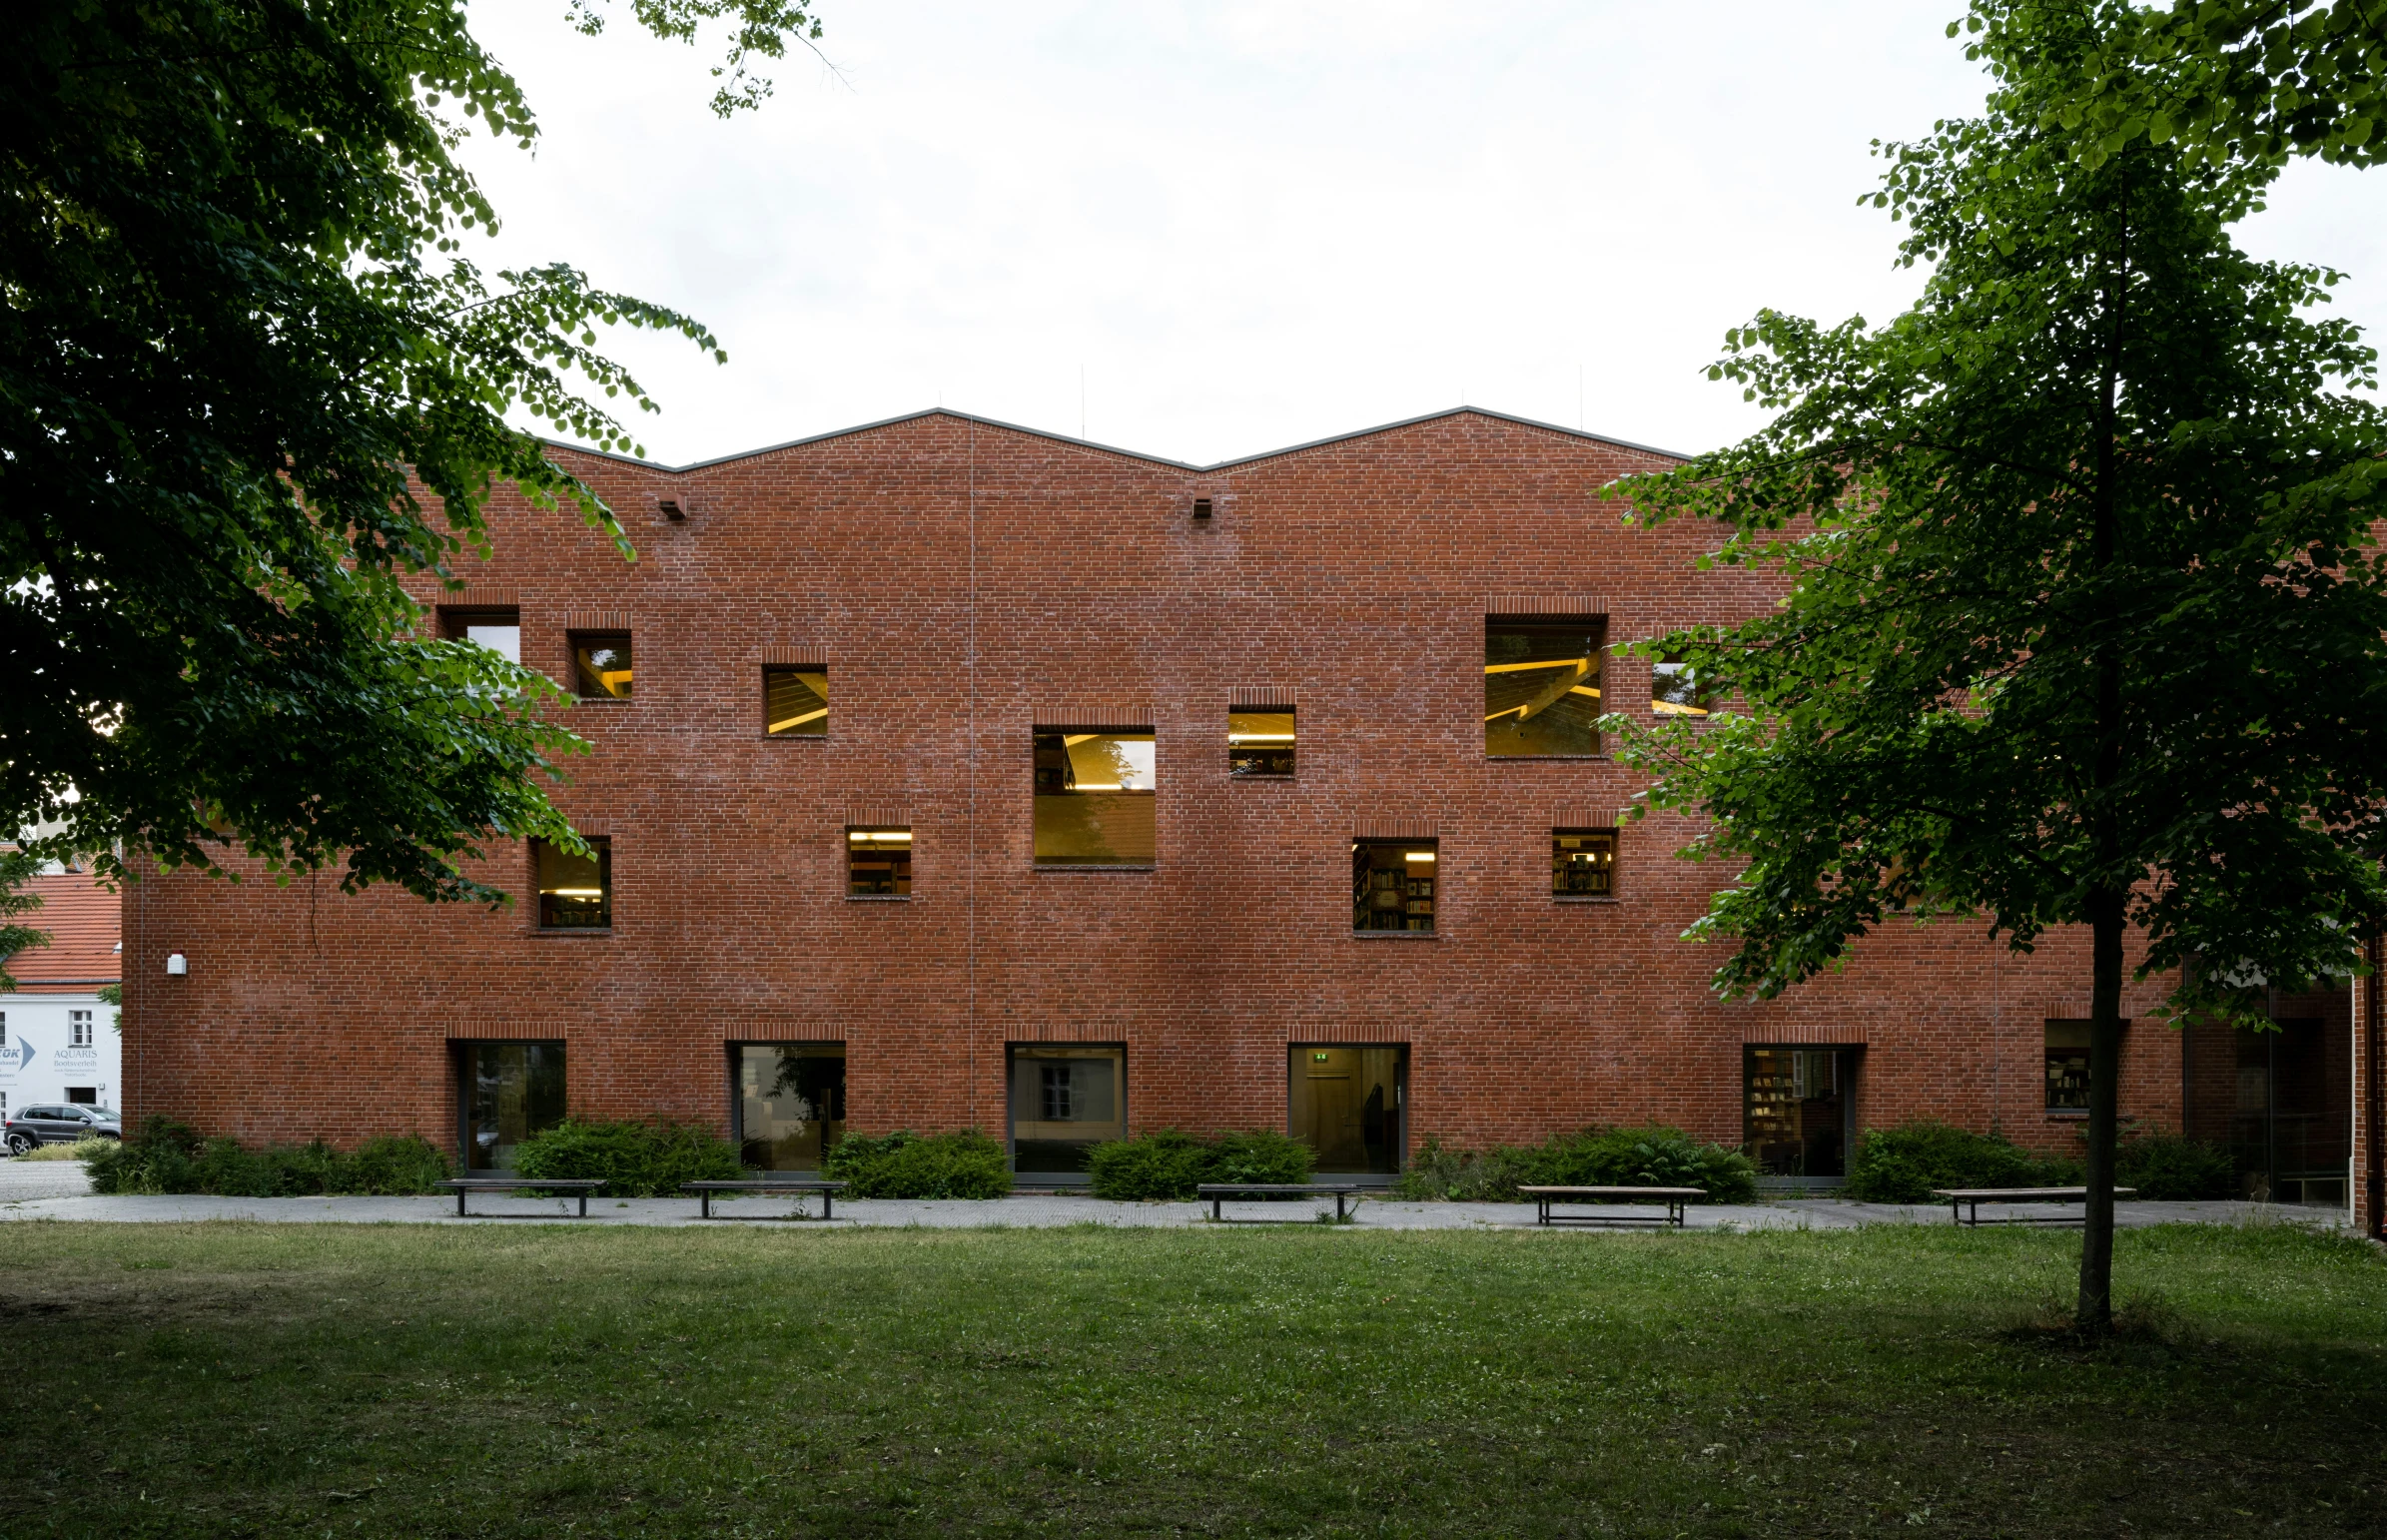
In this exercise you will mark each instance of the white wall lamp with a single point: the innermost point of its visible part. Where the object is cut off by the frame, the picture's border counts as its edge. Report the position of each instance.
(177, 965)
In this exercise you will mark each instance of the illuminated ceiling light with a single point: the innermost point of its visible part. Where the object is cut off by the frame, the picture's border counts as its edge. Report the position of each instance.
(575, 892)
(1260, 737)
(1417, 855)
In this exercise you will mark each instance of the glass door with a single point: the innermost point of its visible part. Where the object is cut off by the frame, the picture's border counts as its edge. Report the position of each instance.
(507, 1091)
(1347, 1104)
(790, 1101)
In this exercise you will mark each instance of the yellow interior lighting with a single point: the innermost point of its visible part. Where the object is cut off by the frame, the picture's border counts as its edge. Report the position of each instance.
(1260, 737)
(1417, 855)
(882, 836)
(1579, 665)
(798, 721)
(575, 892)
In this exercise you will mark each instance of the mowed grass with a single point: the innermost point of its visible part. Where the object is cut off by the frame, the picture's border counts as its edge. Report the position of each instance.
(231, 1379)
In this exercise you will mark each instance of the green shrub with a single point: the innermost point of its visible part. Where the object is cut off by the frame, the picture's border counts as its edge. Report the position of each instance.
(2165, 1165)
(905, 1165)
(1654, 1156)
(634, 1160)
(1902, 1165)
(81, 1150)
(170, 1156)
(1170, 1165)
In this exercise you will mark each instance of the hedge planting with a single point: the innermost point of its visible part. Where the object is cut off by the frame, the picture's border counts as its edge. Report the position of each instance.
(1902, 1165)
(1170, 1164)
(649, 1158)
(1651, 1155)
(170, 1156)
(908, 1165)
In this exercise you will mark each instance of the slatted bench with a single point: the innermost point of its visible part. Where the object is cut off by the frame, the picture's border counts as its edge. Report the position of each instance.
(465, 1186)
(798, 1186)
(1672, 1198)
(1964, 1204)
(1215, 1193)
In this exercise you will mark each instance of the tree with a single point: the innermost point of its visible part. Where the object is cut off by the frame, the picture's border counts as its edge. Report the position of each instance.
(2225, 78)
(16, 868)
(241, 342)
(2087, 615)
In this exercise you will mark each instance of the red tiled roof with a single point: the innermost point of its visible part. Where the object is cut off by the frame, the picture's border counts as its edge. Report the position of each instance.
(81, 919)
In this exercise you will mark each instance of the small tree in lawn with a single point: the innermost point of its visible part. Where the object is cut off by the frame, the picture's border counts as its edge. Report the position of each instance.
(2086, 609)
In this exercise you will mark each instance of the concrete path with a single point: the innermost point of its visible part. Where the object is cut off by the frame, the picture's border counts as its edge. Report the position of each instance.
(58, 1189)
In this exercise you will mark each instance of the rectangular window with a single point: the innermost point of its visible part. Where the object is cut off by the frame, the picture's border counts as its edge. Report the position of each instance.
(500, 630)
(575, 893)
(1345, 1103)
(601, 666)
(878, 863)
(791, 1102)
(795, 702)
(1583, 863)
(509, 1091)
(78, 1029)
(1541, 686)
(1063, 1102)
(1095, 800)
(1795, 1109)
(1674, 693)
(2068, 1067)
(83, 1096)
(1259, 742)
(1392, 885)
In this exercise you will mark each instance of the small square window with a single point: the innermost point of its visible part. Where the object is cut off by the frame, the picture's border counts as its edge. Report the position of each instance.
(575, 893)
(78, 1029)
(1674, 689)
(1094, 796)
(1392, 885)
(795, 702)
(1583, 863)
(601, 666)
(1541, 686)
(1259, 742)
(2068, 1067)
(878, 863)
(500, 630)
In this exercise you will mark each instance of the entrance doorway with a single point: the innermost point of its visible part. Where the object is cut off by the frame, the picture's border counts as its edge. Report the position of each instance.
(1797, 1111)
(505, 1093)
(1347, 1104)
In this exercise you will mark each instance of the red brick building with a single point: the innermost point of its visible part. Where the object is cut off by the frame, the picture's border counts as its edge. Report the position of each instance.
(952, 774)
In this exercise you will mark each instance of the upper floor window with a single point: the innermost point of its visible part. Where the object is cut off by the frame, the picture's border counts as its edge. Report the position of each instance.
(795, 702)
(1392, 884)
(1583, 863)
(1259, 742)
(78, 1029)
(1541, 686)
(575, 893)
(1674, 691)
(878, 863)
(500, 630)
(601, 666)
(1095, 796)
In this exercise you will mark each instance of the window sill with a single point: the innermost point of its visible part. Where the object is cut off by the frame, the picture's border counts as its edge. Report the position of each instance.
(795, 738)
(878, 898)
(600, 931)
(1120, 866)
(2067, 1117)
(604, 700)
(1543, 759)
(1582, 898)
(1396, 935)
(1255, 775)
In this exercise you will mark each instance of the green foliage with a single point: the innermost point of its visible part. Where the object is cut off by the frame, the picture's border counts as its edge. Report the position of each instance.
(16, 868)
(81, 1150)
(908, 1165)
(1167, 1163)
(2165, 1166)
(633, 1159)
(1654, 1156)
(1902, 1165)
(248, 381)
(170, 1156)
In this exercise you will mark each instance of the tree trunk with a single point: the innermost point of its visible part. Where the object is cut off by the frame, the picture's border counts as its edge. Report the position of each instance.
(2095, 1313)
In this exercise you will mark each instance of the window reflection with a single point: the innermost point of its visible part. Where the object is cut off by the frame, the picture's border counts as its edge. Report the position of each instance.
(795, 702)
(1541, 686)
(601, 666)
(1674, 691)
(1259, 742)
(1347, 1104)
(1095, 803)
(510, 1091)
(1065, 1101)
(500, 630)
(791, 1104)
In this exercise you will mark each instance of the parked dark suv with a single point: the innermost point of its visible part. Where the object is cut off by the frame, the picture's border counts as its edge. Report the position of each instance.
(58, 1122)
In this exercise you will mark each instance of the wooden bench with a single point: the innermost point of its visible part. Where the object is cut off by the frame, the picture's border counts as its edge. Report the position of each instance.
(1964, 1204)
(1672, 1198)
(799, 1185)
(463, 1186)
(1215, 1193)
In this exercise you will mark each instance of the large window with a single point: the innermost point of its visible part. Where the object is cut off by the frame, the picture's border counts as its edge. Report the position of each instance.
(575, 893)
(795, 702)
(601, 666)
(791, 1102)
(1063, 1102)
(1345, 1103)
(1796, 1107)
(1392, 884)
(2068, 1067)
(1583, 863)
(1259, 742)
(1541, 686)
(878, 863)
(1095, 796)
(508, 1092)
(500, 630)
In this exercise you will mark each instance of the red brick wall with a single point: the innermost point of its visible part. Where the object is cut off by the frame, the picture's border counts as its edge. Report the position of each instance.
(964, 582)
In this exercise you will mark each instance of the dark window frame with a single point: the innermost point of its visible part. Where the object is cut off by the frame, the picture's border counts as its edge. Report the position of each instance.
(795, 734)
(854, 847)
(1038, 773)
(1290, 751)
(1369, 902)
(1014, 1052)
(603, 844)
(574, 641)
(734, 1056)
(1600, 675)
(1615, 839)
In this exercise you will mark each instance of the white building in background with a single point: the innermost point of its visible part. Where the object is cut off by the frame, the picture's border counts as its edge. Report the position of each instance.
(58, 1039)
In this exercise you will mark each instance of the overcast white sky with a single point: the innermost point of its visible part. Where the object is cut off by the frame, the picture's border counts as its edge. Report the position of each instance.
(1250, 223)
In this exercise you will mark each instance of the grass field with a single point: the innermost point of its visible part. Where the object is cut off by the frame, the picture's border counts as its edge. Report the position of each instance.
(304, 1379)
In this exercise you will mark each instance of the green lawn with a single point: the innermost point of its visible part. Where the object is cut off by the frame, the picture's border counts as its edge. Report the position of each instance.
(229, 1380)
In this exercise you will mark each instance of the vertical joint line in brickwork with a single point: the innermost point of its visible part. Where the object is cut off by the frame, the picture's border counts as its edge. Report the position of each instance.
(970, 962)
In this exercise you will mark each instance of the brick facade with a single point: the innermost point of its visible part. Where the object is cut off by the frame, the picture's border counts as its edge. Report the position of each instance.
(964, 582)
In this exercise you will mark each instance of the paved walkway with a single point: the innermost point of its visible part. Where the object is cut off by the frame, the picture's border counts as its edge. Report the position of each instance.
(58, 1189)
